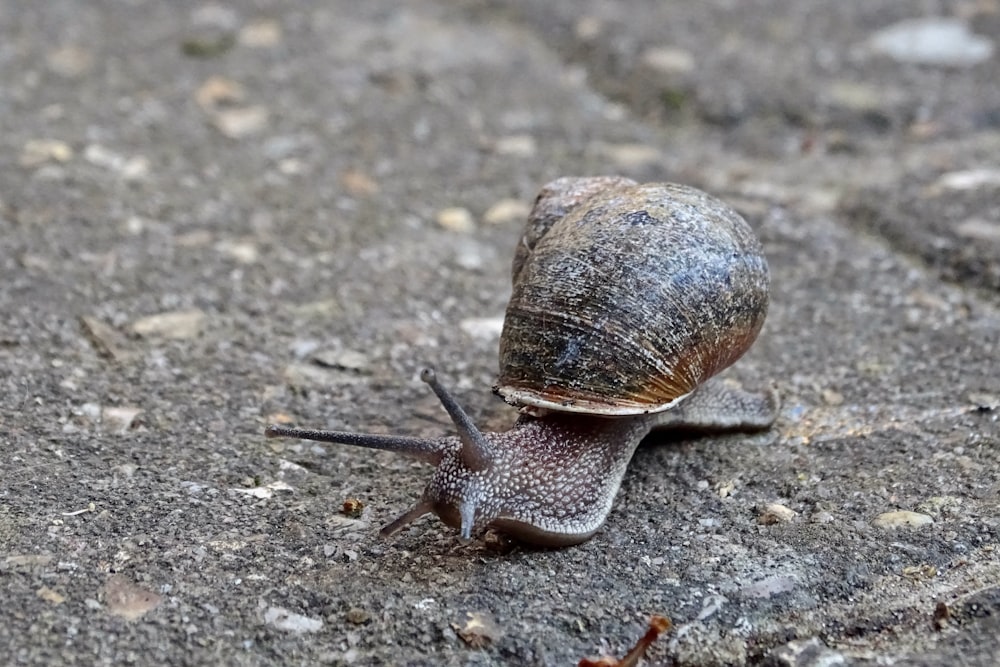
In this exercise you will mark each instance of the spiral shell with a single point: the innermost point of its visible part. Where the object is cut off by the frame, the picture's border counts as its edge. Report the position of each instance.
(627, 297)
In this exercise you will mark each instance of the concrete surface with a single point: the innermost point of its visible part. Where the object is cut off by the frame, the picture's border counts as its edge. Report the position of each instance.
(216, 215)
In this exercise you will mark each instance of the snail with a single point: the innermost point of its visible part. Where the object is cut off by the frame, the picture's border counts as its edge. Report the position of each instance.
(627, 300)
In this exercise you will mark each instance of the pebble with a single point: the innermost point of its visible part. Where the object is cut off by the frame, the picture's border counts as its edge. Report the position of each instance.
(630, 157)
(979, 229)
(771, 586)
(358, 183)
(588, 28)
(176, 325)
(482, 327)
(37, 152)
(668, 60)
(49, 595)
(938, 41)
(892, 520)
(822, 517)
(217, 91)
(70, 61)
(243, 252)
(775, 513)
(832, 397)
(132, 168)
(350, 360)
(518, 145)
(969, 179)
(456, 219)
(357, 616)
(261, 34)
(505, 211)
(128, 600)
(805, 653)
(119, 419)
(265, 491)
(937, 505)
(241, 122)
(282, 619)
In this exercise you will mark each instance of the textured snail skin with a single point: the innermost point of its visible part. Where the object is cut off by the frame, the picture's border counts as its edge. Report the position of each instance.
(554, 479)
(627, 300)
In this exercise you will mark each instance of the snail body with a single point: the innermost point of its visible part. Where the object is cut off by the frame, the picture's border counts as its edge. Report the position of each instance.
(627, 300)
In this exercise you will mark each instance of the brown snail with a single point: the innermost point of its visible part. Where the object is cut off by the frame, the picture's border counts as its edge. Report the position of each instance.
(627, 300)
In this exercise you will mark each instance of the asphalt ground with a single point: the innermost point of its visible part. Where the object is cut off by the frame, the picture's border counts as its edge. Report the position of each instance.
(214, 216)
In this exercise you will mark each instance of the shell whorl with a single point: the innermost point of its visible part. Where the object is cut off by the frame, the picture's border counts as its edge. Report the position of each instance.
(631, 300)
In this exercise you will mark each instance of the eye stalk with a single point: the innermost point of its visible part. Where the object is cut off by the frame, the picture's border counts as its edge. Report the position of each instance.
(475, 452)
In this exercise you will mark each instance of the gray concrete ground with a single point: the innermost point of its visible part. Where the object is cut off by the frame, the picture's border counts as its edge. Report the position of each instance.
(216, 215)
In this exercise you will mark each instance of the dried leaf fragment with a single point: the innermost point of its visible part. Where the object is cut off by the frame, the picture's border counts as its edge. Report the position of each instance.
(106, 341)
(657, 626)
(352, 508)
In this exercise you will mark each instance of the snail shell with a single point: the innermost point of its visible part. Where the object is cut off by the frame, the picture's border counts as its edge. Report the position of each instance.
(627, 297)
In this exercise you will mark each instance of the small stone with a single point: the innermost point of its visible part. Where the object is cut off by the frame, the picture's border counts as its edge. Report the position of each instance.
(70, 61)
(924, 572)
(937, 505)
(127, 600)
(518, 145)
(177, 325)
(771, 586)
(588, 28)
(218, 91)
(349, 360)
(822, 517)
(196, 238)
(358, 183)
(856, 96)
(456, 219)
(979, 229)
(482, 327)
(505, 211)
(832, 397)
(985, 402)
(479, 630)
(50, 595)
(805, 653)
(243, 252)
(260, 34)
(357, 616)
(265, 491)
(897, 519)
(119, 419)
(630, 157)
(37, 152)
(940, 41)
(775, 513)
(241, 122)
(668, 60)
(969, 179)
(131, 168)
(288, 621)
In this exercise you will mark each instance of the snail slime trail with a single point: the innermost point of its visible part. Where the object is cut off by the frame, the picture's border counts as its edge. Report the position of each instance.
(627, 300)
